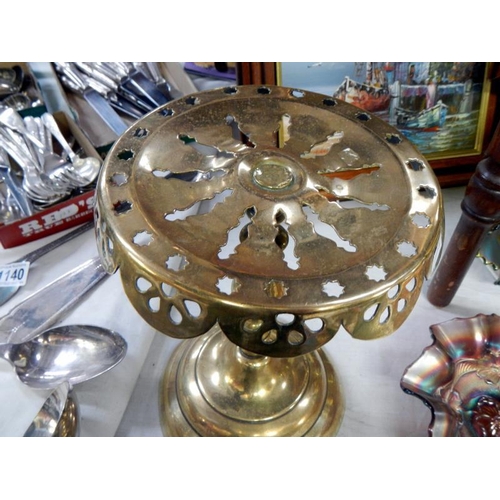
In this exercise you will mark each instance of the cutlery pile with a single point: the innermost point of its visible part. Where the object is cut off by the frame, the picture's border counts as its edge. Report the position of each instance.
(116, 89)
(38, 167)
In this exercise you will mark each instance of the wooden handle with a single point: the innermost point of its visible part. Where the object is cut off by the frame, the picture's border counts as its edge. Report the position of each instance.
(480, 211)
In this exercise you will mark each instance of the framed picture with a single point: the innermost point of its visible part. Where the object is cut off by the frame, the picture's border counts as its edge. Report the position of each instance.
(440, 106)
(469, 90)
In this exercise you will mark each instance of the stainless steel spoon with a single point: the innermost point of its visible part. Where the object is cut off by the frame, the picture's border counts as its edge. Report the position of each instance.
(11, 80)
(85, 351)
(59, 416)
(85, 168)
(12, 119)
(36, 184)
(73, 354)
(18, 101)
(46, 421)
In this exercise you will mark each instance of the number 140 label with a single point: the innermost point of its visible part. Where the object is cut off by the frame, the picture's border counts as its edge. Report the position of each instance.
(14, 274)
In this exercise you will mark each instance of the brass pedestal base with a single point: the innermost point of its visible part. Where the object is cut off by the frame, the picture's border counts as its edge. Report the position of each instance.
(211, 387)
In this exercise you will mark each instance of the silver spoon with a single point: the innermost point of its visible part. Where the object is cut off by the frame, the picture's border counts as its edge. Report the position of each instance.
(12, 119)
(11, 80)
(86, 168)
(18, 101)
(88, 351)
(72, 354)
(60, 358)
(59, 416)
(35, 183)
(47, 162)
(47, 420)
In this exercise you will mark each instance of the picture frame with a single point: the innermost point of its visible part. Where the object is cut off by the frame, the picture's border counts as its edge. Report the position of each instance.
(453, 164)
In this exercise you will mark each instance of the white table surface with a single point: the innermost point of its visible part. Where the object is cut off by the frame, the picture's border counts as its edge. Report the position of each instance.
(124, 401)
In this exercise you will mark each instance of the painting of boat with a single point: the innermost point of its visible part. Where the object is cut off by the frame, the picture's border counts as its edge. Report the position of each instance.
(429, 119)
(439, 106)
(364, 95)
(369, 89)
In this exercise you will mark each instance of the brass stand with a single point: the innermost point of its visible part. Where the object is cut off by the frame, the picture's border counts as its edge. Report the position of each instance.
(268, 217)
(211, 387)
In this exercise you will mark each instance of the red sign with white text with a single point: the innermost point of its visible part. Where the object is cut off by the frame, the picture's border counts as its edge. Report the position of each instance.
(64, 215)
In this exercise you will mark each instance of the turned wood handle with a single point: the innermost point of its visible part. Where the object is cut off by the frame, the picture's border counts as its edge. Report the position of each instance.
(480, 212)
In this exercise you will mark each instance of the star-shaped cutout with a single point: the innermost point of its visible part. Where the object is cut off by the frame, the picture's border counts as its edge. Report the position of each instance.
(375, 273)
(122, 207)
(426, 191)
(228, 285)
(415, 164)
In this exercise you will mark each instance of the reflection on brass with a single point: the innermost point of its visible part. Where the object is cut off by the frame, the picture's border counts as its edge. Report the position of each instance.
(348, 174)
(213, 388)
(238, 229)
(68, 425)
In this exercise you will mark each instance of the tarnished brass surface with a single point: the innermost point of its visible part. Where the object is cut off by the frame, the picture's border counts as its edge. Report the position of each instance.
(212, 388)
(278, 213)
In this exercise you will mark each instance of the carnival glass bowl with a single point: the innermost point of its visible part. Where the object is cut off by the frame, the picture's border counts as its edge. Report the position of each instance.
(458, 377)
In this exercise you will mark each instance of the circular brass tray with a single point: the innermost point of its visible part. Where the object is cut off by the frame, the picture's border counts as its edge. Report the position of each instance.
(278, 213)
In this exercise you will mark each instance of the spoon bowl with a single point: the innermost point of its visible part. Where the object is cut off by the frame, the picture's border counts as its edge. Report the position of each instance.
(73, 354)
(18, 101)
(10, 118)
(87, 168)
(11, 80)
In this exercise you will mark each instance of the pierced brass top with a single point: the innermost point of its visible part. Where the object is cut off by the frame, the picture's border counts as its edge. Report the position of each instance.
(281, 214)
